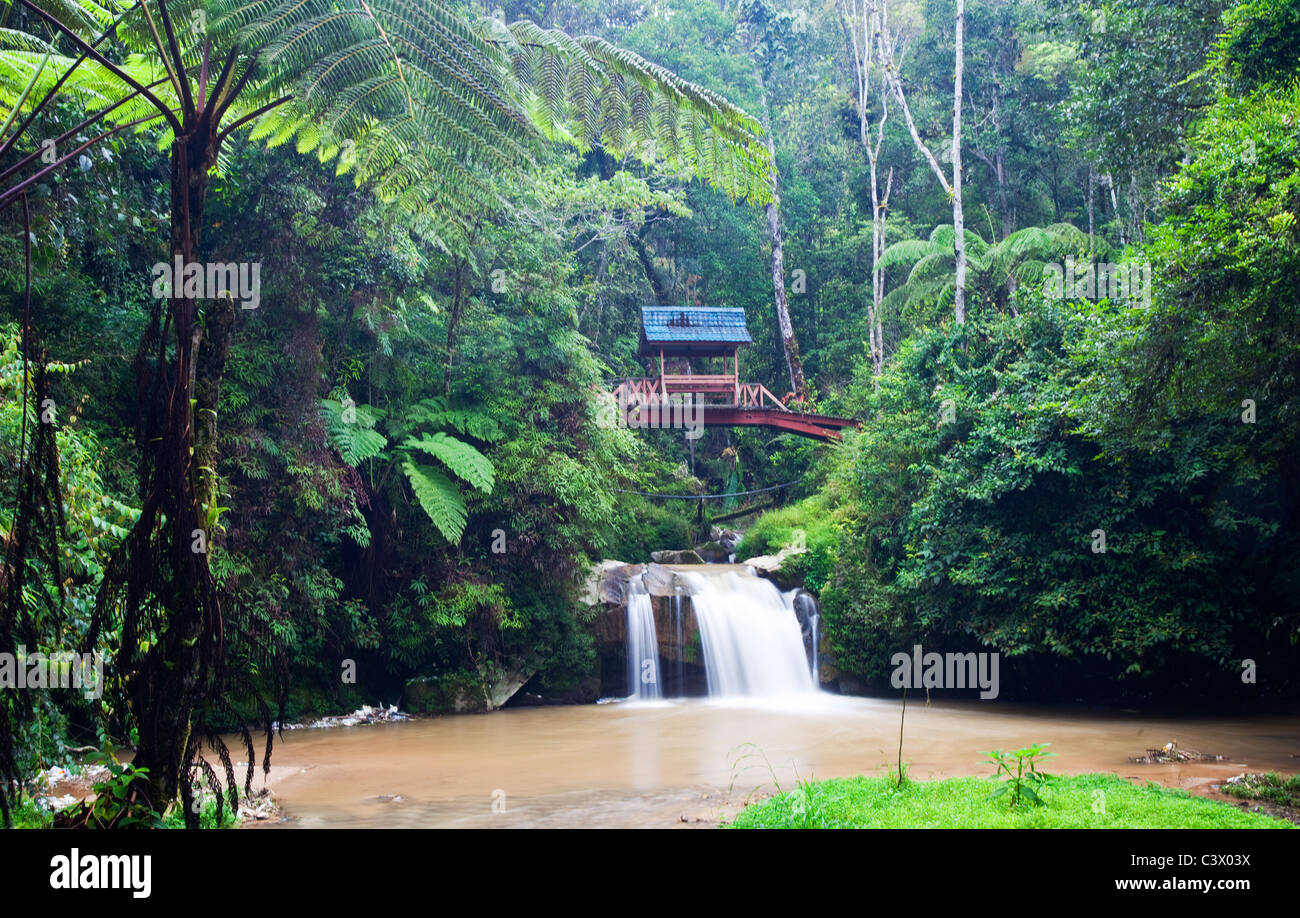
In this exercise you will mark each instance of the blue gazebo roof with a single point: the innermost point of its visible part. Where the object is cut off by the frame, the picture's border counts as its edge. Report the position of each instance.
(693, 327)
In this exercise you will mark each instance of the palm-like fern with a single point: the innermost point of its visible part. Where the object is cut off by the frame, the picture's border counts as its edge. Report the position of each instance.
(588, 92)
(351, 430)
(414, 97)
(422, 102)
(994, 270)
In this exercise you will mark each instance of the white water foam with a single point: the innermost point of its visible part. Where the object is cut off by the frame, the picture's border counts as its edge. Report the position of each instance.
(642, 646)
(753, 646)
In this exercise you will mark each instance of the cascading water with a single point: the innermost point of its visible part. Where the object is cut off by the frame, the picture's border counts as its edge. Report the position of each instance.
(750, 635)
(642, 646)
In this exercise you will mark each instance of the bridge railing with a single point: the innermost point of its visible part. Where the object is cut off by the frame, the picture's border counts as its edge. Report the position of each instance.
(755, 395)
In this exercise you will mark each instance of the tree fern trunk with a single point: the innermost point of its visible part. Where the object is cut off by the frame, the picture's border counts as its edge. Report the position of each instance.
(457, 307)
(168, 595)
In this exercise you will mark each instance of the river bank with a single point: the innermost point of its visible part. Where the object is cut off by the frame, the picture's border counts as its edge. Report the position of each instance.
(660, 764)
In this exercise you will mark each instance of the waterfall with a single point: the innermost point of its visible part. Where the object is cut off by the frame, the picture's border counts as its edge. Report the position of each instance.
(642, 645)
(750, 634)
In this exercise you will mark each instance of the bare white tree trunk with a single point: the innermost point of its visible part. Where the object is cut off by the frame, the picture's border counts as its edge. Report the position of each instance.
(953, 187)
(864, 24)
(1114, 204)
(1092, 188)
(958, 219)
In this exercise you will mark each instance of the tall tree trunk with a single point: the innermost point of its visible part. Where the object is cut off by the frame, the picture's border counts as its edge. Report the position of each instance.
(1092, 196)
(662, 289)
(457, 307)
(958, 218)
(1004, 198)
(1114, 204)
(789, 345)
(166, 567)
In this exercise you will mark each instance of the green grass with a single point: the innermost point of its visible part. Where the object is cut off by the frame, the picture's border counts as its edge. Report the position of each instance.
(1090, 801)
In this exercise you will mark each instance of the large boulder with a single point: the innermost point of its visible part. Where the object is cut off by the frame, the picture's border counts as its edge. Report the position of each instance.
(770, 564)
(685, 556)
(773, 567)
(503, 683)
(713, 553)
(604, 584)
(829, 673)
(659, 580)
(463, 691)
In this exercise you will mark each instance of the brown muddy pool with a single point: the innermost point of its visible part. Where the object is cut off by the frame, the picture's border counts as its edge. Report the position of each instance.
(683, 763)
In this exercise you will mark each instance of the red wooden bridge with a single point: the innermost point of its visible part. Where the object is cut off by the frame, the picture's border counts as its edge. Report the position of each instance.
(676, 335)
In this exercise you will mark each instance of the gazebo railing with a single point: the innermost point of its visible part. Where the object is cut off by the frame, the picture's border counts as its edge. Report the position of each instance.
(733, 394)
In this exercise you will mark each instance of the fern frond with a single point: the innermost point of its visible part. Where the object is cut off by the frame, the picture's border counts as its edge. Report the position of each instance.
(439, 498)
(464, 460)
(905, 252)
(351, 431)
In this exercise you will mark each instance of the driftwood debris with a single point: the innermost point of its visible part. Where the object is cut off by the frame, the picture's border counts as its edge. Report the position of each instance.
(1171, 753)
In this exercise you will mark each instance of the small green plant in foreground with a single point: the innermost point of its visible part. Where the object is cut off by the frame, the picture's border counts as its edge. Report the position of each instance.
(805, 808)
(1026, 781)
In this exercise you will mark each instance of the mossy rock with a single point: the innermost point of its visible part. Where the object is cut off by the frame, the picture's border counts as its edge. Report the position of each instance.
(713, 553)
(458, 692)
(688, 556)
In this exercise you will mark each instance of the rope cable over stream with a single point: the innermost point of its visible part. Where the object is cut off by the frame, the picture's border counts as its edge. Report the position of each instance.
(710, 496)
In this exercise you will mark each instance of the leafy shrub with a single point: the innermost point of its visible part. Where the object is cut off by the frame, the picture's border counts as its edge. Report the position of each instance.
(1026, 781)
(650, 527)
(806, 525)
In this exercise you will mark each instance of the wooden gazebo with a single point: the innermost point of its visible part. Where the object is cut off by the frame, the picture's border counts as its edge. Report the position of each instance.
(685, 333)
(696, 332)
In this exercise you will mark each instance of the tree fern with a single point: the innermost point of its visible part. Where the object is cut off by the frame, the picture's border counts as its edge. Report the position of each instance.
(436, 413)
(417, 98)
(421, 101)
(352, 431)
(994, 269)
(439, 497)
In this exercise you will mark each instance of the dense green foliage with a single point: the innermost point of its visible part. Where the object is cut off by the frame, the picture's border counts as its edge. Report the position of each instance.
(1101, 488)
(410, 477)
